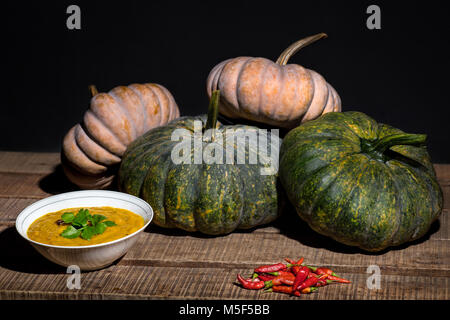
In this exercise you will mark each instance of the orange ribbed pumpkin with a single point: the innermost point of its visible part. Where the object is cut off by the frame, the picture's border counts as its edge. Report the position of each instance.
(277, 94)
(92, 150)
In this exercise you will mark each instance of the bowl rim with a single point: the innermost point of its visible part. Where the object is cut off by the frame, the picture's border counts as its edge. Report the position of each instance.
(62, 197)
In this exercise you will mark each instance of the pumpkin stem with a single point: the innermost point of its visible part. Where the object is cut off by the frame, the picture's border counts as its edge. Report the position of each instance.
(385, 143)
(93, 90)
(213, 111)
(296, 46)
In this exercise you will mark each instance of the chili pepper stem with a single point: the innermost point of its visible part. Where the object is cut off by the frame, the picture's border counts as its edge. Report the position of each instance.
(293, 265)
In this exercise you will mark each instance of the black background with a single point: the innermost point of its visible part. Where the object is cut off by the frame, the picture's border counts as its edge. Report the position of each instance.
(398, 75)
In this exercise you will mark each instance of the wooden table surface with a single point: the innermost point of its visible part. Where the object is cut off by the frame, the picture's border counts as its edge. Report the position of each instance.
(178, 265)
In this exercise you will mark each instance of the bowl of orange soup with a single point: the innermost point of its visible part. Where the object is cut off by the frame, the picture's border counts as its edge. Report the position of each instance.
(89, 229)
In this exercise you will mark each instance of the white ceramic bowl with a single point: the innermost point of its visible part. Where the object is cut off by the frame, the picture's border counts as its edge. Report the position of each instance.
(90, 257)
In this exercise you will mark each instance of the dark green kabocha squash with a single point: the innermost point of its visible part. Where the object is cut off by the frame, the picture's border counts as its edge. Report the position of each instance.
(214, 196)
(359, 182)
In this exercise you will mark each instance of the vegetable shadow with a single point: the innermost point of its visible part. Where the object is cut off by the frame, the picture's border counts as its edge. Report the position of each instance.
(57, 182)
(292, 226)
(19, 255)
(175, 232)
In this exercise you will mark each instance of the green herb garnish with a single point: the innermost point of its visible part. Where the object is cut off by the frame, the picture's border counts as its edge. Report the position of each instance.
(84, 224)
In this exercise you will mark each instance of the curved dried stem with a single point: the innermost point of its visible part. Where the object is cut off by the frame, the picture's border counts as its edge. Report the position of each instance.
(296, 46)
(213, 111)
(93, 90)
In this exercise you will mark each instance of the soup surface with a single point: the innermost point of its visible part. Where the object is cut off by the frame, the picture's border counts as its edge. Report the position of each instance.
(47, 230)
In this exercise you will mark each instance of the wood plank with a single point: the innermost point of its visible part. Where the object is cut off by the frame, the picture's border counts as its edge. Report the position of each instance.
(249, 249)
(36, 186)
(11, 207)
(159, 247)
(32, 175)
(28, 162)
(137, 282)
(172, 263)
(27, 275)
(443, 173)
(442, 227)
(21, 185)
(158, 244)
(446, 193)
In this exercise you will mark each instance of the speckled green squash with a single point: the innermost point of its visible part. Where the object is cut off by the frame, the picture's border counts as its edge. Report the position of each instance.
(211, 198)
(359, 182)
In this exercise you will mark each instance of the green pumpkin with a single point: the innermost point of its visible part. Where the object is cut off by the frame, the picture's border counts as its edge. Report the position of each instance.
(359, 182)
(211, 197)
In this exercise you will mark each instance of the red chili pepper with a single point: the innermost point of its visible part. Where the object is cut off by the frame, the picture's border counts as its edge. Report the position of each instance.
(309, 290)
(301, 276)
(295, 269)
(252, 284)
(265, 277)
(283, 289)
(323, 271)
(312, 274)
(310, 282)
(337, 279)
(271, 268)
(288, 282)
(323, 282)
(280, 280)
(291, 277)
(289, 260)
(288, 276)
(280, 273)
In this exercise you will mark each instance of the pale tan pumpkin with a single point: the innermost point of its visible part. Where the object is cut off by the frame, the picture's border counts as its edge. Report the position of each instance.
(92, 150)
(277, 94)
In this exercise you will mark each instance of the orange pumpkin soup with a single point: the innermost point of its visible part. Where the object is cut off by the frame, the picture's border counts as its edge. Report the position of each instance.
(48, 228)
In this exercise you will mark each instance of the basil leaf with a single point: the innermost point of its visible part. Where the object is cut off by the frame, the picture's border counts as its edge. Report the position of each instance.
(67, 217)
(100, 228)
(81, 219)
(110, 223)
(87, 214)
(84, 224)
(70, 233)
(96, 218)
(88, 232)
